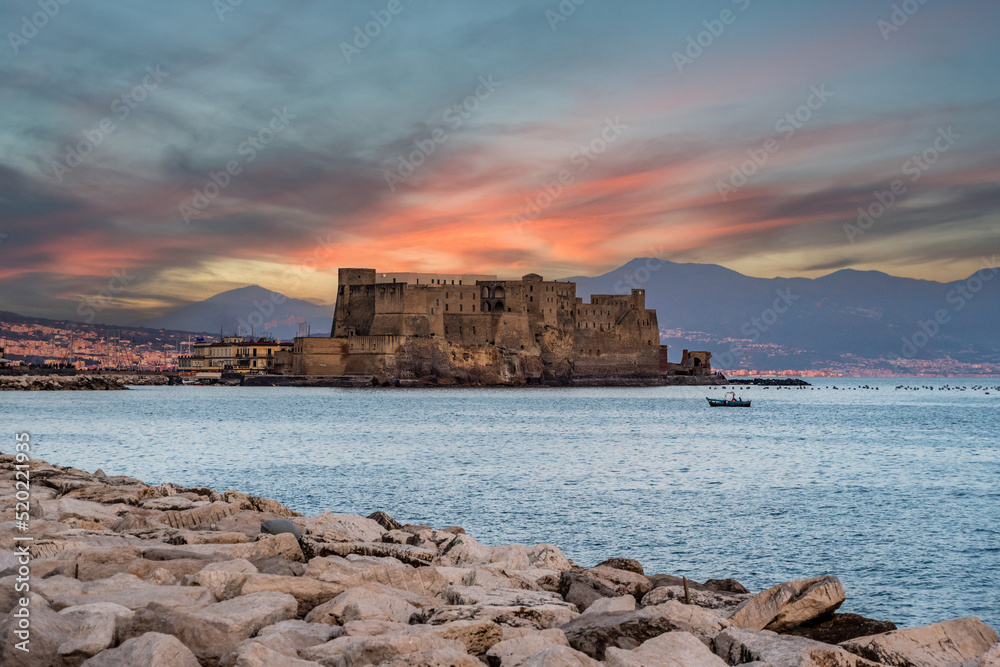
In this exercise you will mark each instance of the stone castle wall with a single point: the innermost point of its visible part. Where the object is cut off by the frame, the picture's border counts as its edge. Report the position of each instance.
(496, 331)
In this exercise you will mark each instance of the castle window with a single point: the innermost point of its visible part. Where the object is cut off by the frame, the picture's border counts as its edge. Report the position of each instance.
(432, 311)
(437, 302)
(446, 308)
(473, 331)
(473, 307)
(459, 307)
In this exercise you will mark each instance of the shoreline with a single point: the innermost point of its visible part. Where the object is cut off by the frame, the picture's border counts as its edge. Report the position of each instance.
(122, 571)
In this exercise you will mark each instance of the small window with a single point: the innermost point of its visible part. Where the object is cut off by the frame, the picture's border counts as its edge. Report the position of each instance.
(446, 308)
(460, 307)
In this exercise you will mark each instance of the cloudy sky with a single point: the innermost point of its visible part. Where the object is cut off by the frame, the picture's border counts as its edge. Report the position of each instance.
(176, 150)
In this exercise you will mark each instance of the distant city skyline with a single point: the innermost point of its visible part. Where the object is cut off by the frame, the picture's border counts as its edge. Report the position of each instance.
(163, 154)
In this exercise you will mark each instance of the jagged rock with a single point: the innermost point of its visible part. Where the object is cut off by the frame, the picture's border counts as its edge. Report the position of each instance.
(397, 537)
(96, 627)
(840, 627)
(439, 657)
(491, 577)
(330, 527)
(384, 520)
(593, 633)
(302, 634)
(360, 604)
(671, 649)
(549, 557)
(559, 656)
(308, 593)
(463, 551)
(540, 617)
(937, 645)
(377, 650)
(623, 603)
(722, 602)
(726, 586)
(509, 556)
(499, 597)
(410, 555)
(583, 587)
(514, 651)
(152, 649)
(737, 646)
(627, 564)
(212, 630)
(284, 545)
(792, 603)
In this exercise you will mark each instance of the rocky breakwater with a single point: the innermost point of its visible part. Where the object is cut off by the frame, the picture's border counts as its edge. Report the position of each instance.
(76, 382)
(125, 573)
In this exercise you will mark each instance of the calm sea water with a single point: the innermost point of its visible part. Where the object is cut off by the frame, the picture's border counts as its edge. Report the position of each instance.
(896, 492)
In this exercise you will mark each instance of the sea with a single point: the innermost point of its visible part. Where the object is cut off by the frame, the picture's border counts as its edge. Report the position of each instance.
(890, 484)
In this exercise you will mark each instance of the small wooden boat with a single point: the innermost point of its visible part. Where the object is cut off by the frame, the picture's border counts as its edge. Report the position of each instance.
(728, 401)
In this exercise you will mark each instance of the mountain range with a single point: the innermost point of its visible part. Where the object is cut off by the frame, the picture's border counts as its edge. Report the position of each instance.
(848, 319)
(245, 311)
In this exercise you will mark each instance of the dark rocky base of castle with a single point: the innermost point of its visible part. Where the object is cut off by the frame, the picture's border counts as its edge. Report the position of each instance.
(375, 381)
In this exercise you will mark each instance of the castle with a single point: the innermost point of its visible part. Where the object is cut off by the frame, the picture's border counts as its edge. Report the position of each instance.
(478, 328)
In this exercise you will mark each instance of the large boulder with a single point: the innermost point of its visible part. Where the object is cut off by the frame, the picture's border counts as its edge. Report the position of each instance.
(671, 649)
(361, 604)
(123, 589)
(463, 551)
(937, 645)
(425, 581)
(623, 603)
(737, 646)
(787, 605)
(478, 637)
(584, 587)
(48, 631)
(152, 649)
(96, 628)
(594, 633)
(724, 603)
(302, 634)
(308, 593)
(211, 631)
(549, 557)
(331, 527)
